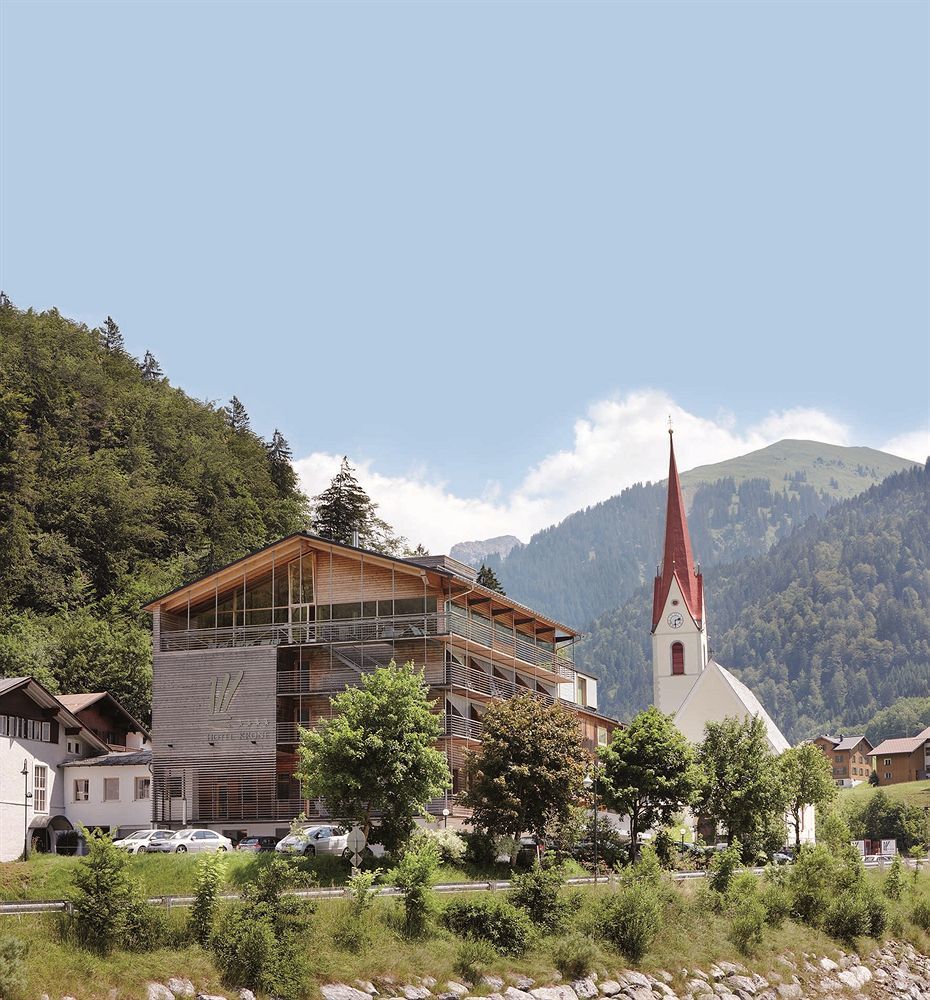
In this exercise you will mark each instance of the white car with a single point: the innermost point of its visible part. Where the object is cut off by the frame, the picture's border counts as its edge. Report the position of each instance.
(193, 841)
(315, 840)
(142, 840)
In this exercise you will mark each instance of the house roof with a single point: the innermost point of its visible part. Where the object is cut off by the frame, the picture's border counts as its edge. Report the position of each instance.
(78, 702)
(42, 696)
(746, 699)
(677, 560)
(126, 759)
(907, 744)
(850, 742)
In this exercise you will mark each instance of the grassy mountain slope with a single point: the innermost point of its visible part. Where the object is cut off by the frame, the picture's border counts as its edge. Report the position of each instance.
(828, 627)
(596, 558)
(114, 487)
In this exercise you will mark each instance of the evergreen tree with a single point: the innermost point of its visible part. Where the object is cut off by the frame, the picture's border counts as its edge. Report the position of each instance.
(488, 578)
(238, 418)
(344, 508)
(279, 458)
(111, 338)
(150, 368)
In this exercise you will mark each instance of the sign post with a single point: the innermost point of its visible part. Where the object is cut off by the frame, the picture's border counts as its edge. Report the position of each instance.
(356, 842)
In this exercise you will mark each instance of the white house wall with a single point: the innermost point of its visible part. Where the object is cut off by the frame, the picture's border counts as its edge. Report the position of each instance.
(126, 813)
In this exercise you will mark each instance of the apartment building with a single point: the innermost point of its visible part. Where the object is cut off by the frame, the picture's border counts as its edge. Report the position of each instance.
(245, 657)
(850, 758)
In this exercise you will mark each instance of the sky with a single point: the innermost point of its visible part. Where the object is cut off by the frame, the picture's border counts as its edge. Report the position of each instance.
(485, 249)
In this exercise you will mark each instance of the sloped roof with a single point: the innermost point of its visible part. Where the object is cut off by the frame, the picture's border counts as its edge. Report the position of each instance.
(747, 700)
(42, 696)
(75, 702)
(125, 759)
(907, 744)
(850, 742)
(11, 683)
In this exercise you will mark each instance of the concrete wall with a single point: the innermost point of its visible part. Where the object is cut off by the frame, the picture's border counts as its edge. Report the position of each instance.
(125, 814)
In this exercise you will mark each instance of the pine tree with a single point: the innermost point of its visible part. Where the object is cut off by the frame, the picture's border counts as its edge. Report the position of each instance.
(238, 419)
(488, 578)
(279, 458)
(110, 336)
(4, 300)
(151, 369)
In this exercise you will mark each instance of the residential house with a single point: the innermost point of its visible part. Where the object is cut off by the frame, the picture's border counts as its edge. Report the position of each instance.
(849, 756)
(899, 760)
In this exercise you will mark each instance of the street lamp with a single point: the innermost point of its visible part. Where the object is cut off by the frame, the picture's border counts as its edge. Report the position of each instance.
(27, 795)
(590, 783)
(683, 832)
(445, 818)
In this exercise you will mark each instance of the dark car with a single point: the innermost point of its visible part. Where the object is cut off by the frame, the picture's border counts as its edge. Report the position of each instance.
(257, 844)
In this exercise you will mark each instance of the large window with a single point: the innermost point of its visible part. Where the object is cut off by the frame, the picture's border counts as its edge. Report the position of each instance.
(40, 789)
(25, 729)
(678, 658)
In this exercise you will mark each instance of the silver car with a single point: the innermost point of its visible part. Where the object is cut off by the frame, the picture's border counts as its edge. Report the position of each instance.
(315, 840)
(142, 840)
(193, 841)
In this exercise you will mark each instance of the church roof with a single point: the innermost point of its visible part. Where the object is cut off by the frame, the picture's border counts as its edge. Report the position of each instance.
(744, 699)
(677, 560)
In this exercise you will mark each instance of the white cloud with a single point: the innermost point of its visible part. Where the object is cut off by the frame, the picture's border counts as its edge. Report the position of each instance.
(914, 445)
(619, 442)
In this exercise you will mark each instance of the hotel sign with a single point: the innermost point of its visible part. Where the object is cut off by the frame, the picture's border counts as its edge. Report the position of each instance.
(223, 725)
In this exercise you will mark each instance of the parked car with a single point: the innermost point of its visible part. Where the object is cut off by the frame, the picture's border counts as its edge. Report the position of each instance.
(141, 841)
(315, 840)
(782, 857)
(529, 850)
(257, 844)
(193, 841)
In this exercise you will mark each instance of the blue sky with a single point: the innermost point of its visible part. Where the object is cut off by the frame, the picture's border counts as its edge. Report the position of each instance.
(483, 248)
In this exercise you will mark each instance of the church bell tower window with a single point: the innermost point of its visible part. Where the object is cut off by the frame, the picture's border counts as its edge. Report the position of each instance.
(678, 658)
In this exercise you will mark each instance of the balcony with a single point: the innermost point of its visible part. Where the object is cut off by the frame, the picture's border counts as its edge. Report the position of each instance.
(375, 630)
(452, 726)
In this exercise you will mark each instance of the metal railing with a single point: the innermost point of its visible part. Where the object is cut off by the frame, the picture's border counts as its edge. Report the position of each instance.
(469, 729)
(321, 681)
(386, 629)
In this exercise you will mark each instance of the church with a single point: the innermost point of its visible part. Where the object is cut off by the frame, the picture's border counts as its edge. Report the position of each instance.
(688, 683)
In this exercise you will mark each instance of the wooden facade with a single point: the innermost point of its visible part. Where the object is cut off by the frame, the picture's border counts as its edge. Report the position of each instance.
(250, 654)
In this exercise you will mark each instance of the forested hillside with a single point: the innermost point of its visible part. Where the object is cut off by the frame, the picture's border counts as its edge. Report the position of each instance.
(830, 626)
(114, 487)
(596, 558)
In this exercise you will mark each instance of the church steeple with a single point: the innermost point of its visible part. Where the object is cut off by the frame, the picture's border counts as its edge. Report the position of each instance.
(677, 561)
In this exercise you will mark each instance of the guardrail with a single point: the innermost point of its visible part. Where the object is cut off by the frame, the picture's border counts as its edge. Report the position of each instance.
(339, 892)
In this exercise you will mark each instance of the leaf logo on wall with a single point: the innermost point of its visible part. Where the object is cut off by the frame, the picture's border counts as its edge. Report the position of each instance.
(222, 692)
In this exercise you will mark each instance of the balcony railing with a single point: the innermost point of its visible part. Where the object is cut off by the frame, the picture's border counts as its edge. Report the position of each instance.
(482, 682)
(387, 629)
(322, 681)
(452, 725)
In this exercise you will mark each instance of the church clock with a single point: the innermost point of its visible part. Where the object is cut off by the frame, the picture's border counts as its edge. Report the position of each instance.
(675, 619)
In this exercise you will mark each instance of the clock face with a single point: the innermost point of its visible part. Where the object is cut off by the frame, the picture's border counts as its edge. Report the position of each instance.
(675, 619)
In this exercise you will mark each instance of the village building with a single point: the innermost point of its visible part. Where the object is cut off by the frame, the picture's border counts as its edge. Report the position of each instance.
(688, 683)
(899, 760)
(850, 758)
(247, 656)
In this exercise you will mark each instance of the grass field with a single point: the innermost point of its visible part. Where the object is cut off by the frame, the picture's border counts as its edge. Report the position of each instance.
(691, 937)
(912, 792)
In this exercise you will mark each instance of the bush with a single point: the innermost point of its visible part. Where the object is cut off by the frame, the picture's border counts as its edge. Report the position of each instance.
(361, 888)
(848, 916)
(452, 848)
(574, 956)
(630, 918)
(894, 882)
(472, 959)
(536, 892)
(110, 910)
(811, 884)
(776, 901)
(503, 926)
(920, 914)
(723, 867)
(480, 848)
(351, 931)
(12, 967)
(211, 868)
(747, 925)
(415, 876)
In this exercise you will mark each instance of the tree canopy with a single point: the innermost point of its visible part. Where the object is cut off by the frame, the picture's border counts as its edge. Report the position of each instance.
(807, 780)
(488, 578)
(376, 757)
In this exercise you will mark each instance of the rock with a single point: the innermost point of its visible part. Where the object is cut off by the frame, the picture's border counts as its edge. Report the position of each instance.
(698, 986)
(639, 993)
(246, 995)
(789, 991)
(457, 988)
(828, 965)
(155, 991)
(339, 991)
(731, 969)
(181, 987)
(366, 987)
(585, 988)
(524, 983)
(428, 982)
(412, 993)
(742, 983)
(512, 993)
(554, 993)
(636, 979)
(716, 972)
(492, 982)
(666, 977)
(855, 977)
(609, 987)
(209, 996)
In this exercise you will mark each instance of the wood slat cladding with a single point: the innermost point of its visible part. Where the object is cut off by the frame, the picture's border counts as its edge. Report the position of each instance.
(339, 579)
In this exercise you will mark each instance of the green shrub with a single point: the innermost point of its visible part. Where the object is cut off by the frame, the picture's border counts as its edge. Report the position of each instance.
(109, 906)
(776, 901)
(244, 948)
(811, 883)
(473, 957)
(894, 881)
(848, 916)
(574, 955)
(536, 892)
(630, 918)
(920, 914)
(878, 912)
(480, 848)
(415, 877)
(210, 871)
(503, 926)
(352, 930)
(12, 967)
(723, 867)
(747, 925)
(360, 887)
(452, 848)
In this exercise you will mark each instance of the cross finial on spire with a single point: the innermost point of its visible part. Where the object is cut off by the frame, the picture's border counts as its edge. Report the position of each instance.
(671, 429)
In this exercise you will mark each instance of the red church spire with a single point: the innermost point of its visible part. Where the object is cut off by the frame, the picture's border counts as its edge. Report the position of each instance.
(677, 561)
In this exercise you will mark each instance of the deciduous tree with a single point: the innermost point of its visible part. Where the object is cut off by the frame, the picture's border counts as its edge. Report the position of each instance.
(807, 780)
(377, 755)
